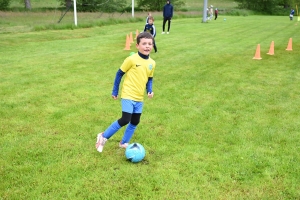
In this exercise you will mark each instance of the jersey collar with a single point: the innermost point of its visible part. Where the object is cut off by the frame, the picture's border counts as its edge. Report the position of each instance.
(143, 56)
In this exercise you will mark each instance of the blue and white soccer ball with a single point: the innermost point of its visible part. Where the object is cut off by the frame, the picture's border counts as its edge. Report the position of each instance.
(135, 152)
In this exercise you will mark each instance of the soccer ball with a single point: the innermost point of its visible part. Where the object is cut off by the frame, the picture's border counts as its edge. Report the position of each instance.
(135, 152)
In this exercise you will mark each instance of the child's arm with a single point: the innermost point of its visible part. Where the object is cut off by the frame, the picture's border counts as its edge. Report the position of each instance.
(117, 81)
(154, 31)
(149, 87)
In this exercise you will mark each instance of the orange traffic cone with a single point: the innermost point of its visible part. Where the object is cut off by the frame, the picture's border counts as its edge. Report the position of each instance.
(257, 53)
(271, 50)
(136, 33)
(127, 45)
(289, 47)
(131, 38)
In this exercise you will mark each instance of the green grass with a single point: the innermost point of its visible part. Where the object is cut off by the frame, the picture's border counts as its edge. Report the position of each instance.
(220, 126)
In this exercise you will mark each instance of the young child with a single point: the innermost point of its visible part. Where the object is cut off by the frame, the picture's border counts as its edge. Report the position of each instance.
(151, 29)
(149, 15)
(292, 14)
(139, 69)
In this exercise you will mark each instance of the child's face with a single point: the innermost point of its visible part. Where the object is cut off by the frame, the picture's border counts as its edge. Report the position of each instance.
(145, 46)
(150, 21)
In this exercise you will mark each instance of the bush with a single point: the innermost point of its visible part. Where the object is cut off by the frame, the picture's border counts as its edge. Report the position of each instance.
(99, 5)
(4, 4)
(281, 11)
(238, 12)
(157, 5)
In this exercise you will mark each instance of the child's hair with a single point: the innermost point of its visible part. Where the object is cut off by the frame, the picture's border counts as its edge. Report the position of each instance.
(151, 18)
(143, 35)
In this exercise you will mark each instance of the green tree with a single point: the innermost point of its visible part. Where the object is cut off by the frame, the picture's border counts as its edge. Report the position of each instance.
(157, 5)
(4, 4)
(267, 6)
(68, 3)
(97, 5)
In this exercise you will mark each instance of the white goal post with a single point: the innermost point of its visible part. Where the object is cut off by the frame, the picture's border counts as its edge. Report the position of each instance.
(75, 13)
(204, 11)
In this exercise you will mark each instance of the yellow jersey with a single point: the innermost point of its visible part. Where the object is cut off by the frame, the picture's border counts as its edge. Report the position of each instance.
(137, 71)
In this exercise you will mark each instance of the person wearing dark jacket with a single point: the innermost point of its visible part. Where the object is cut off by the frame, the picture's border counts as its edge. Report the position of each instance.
(167, 14)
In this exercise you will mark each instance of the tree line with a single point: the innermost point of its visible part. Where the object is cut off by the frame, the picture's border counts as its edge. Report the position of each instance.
(104, 5)
(261, 6)
(267, 6)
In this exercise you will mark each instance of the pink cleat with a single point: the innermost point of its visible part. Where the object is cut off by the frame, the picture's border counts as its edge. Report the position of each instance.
(100, 142)
(125, 145)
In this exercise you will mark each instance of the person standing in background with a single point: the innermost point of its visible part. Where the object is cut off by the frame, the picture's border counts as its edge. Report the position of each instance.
(216, 13)
(167, 14)
(292, 14)
(147, 19)
(149, 27)
(211, 12)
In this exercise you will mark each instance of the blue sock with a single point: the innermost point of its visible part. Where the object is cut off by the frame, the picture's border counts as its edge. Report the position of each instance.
(128, 133)
(111, 130)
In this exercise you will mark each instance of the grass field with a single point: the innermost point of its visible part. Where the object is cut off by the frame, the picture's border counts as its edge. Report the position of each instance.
(220, 126)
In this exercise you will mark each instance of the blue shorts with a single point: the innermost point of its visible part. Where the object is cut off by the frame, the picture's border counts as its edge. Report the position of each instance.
(131, 106)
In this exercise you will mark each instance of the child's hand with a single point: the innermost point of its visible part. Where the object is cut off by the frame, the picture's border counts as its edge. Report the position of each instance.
(114, 97)
(150, 95)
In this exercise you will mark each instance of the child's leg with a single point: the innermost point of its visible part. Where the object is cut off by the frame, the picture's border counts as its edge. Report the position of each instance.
(128, 133)
(116, 125)
(135, 120)
(131, 128)
(111, 130)
(127, 109)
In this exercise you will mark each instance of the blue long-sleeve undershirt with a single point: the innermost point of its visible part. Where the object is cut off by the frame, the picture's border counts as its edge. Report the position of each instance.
(117, 82)
(149, 85)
